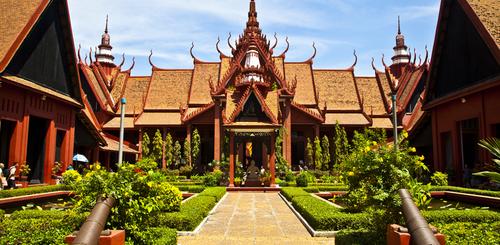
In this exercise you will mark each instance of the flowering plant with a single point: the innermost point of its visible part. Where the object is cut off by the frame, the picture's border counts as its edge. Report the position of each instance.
(450, 171)
(56, 167)
(24, 169)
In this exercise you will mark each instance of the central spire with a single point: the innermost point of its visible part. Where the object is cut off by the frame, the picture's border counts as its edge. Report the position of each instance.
(252, 24)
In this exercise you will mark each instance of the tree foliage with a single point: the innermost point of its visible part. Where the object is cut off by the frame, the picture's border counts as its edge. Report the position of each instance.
(187, 152)
(156, 154)
(325, 146)
(493, 146)
(195, 146)
(341, 146)
(225, 147)
(281, 163)
(169, 157)
(177, 153)
(318, 154)
(145, 145)
(309, 152)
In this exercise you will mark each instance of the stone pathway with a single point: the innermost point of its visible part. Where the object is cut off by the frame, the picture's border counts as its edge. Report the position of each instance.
(253, 218)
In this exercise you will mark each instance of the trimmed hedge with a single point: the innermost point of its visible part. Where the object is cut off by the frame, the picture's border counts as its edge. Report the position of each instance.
(43, 227)
(33, 190)
(328, 184)
(290, 192)
(451, 216)
(324, 217)
(155, 235)
(311, 189)
(189, 217)
(466, 190)
(196, 189)
(470, 233)
(185, 183)
(217, 192)
(333, 188)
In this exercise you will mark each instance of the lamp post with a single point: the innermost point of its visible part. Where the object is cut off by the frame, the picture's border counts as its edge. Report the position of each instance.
(120, 146)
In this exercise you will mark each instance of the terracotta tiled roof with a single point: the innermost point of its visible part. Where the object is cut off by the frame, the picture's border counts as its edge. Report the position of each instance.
(232, 100)
(159, 118)
(225, 64)
(337, 89)
(488, 12)
(116, 92)
(94, 84)
(168, 88)
(278, 62)
(44, 90)
(370, 95)
(273, 103)
(134, 93)
(305, 94)
(114, 123)
(200, 92)
(381, 123)
(409, 86)
(113, 146)
(382, 77)
(252, 124)
(14, 17)
(346, 119)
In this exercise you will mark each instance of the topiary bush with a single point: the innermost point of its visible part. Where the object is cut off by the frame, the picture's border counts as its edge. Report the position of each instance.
(301, 180)
(210, 180)
(195, 189)
(71, 176)
(290, 176)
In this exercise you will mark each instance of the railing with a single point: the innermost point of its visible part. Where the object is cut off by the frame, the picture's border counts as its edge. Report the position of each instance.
(92, 227)
(418, 227)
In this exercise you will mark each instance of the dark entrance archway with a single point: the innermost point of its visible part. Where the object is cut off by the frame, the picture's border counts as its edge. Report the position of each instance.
(36, 149)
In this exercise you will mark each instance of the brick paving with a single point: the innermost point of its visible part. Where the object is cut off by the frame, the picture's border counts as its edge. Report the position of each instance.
(253, 218)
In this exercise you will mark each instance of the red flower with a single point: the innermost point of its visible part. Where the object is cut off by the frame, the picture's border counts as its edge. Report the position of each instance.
(138, 170)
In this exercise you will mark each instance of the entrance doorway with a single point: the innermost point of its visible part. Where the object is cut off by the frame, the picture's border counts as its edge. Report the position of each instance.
(5, 136)
(36, 149)
(469, 132)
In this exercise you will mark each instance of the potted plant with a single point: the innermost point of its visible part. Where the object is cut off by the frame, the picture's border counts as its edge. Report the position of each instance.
(23, 172)
(265, 178)
(237, 181)
(55, 169)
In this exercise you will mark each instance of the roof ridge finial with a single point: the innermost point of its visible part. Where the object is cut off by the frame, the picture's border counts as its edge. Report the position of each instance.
(399, 26)
(106, 30)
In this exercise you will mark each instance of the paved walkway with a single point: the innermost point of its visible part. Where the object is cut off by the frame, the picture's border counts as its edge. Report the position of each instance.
(253, 218)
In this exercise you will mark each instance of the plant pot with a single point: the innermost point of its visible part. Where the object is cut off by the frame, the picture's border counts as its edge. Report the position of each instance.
(267, 183)
(237, 184)
(53, 176)
(24, 184)
(23, 178)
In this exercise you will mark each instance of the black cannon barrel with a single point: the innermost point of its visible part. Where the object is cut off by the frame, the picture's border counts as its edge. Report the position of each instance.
(92, 227)
(418, 227)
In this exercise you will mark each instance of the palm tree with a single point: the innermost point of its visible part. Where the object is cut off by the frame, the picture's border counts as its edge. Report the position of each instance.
(492, 145)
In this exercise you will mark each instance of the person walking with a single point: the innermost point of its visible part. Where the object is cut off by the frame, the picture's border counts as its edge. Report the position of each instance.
(1, 175)
(11, 179)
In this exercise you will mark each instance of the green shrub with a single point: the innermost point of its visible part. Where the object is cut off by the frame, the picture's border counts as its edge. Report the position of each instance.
(332, 188)
(2, 214)
(33, 190)
(47, 214)
(355, 237)
(290, 192)
(182, 177)
(210, 180)
(328, 184)
(154, 235)
(185, 183)
(186, 170)
(301, 180)
(71, 176)
(439, 179)
(311, 189)
(290, 176)
(216, 192)
(195, 189)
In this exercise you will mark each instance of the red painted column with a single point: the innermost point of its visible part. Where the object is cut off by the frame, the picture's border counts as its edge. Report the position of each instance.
(107, 159)
(316, 127)
(50, 151)
(436, 151)
(140, 143)
(70, 135)
(188, 129)
(164, 137)
(95, 154)
(231, 159)
(272, 168)
(287, 136)
(217, 131)
(17, 151)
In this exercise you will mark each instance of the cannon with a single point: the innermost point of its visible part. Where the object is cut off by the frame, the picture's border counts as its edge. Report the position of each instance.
(94, 224)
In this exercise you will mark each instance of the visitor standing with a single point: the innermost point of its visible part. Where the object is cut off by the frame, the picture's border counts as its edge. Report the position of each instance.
(1, 175)
(70, 167)
(467, 176)
(11, 179)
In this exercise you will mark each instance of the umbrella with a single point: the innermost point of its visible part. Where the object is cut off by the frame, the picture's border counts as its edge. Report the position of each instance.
(80, 158)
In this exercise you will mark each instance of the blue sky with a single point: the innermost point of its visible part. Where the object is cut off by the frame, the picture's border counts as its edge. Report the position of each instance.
(338, 27)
